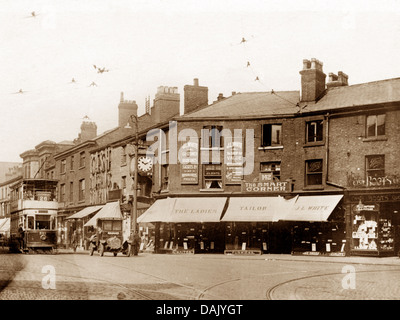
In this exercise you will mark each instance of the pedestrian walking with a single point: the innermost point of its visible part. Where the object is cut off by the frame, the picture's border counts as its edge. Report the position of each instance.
(74, 240)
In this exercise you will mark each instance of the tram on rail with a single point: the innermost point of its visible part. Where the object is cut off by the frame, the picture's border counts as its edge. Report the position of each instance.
(33, 223)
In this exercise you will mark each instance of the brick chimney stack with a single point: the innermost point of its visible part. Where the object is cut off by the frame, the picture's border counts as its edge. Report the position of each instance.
(195, 96)
(88, 129)
(312, 80)
(166, 104)
(126, 108)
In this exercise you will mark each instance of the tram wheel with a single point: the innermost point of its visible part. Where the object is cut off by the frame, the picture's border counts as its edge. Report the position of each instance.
(115, 254)
(101, 250)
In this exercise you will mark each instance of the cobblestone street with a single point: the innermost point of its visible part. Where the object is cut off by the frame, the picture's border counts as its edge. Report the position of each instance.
(195, 277)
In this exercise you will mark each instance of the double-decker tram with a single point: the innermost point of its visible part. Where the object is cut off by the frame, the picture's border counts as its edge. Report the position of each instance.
(33, 215)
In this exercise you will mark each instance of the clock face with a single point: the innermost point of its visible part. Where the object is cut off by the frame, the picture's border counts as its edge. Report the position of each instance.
(145, 164)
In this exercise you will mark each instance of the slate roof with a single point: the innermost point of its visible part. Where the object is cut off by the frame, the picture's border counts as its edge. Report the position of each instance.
(365, 94)
(250, 104)
(263, 104)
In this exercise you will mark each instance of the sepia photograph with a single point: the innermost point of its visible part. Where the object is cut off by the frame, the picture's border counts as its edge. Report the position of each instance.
(200, 158)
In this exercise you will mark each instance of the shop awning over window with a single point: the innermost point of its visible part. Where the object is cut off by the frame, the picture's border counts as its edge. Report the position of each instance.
(110, 210)
(85, 212)
(177, 210)
(311, 208)
(160, 211)
(4, 225)
(198, 209)
(255, 209)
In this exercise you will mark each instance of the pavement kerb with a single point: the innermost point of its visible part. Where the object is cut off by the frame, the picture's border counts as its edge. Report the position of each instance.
(389, 261)
(392, 261)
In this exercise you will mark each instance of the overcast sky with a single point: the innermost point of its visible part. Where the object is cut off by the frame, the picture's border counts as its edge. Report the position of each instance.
(145, 44)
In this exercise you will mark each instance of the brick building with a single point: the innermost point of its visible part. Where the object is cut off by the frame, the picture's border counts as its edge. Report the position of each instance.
(324, 177)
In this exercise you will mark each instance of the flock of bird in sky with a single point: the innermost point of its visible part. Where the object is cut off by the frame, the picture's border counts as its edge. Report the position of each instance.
(101, 70)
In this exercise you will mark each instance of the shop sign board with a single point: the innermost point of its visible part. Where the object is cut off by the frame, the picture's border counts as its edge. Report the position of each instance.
(234, 162)
(189, 163)
(266, 184)
(233, 174)
(375, 197)
(364, 207)
(385, 181)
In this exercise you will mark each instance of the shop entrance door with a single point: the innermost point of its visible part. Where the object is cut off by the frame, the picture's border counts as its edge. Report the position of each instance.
(280, 237)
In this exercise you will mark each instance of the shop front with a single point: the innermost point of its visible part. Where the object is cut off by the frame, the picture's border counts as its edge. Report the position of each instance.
(252, 225)
(187, 224)
(317, 225)
(78, 232)
(373, 222)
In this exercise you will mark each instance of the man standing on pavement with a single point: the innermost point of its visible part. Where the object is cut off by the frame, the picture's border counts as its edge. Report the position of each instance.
(20, 235)
(136, 243)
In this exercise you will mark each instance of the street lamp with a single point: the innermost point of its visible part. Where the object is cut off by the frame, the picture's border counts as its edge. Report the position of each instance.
(135, 182)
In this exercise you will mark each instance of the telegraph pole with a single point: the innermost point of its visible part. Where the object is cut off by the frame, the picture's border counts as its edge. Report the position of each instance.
(135, 184)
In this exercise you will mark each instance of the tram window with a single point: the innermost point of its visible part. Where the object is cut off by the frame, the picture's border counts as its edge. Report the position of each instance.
(31, 223)
(42, 222)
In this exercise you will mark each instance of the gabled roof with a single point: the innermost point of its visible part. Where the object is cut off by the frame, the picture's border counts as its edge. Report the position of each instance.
(250, 104)
(369, 93)
(285, 103)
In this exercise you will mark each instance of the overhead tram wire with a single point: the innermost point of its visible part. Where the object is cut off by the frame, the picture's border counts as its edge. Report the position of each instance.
(257, 78)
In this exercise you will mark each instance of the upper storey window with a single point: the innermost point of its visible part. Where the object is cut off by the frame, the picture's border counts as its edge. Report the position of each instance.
(271, 135)
(314, 131)
(375, 125)
(212, 137)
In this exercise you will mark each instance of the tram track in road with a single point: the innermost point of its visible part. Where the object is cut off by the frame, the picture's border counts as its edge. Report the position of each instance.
(34, 285)
(106, 278)
(198, 292)
(270, 291)
(145, 293)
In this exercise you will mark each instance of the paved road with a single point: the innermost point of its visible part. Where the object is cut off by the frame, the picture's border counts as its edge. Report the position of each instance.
(68, 276)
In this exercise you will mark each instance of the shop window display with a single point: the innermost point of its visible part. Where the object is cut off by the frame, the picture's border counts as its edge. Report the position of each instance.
(319, 237)
(190, 237)
(247, 236)
(372, 230)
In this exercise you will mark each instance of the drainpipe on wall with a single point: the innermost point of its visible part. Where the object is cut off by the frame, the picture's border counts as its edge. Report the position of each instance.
(326, 147)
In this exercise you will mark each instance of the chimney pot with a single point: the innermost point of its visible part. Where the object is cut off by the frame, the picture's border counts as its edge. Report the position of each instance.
(196, 82)
(306, 64)
(332, 77)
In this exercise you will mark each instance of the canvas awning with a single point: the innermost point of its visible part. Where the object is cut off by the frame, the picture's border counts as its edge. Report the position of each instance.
(255, 209)
(312, 208)
(110, 210)
(4, 225)
(184, 209)
(198, 209)
(159, 211)
(85, 212)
